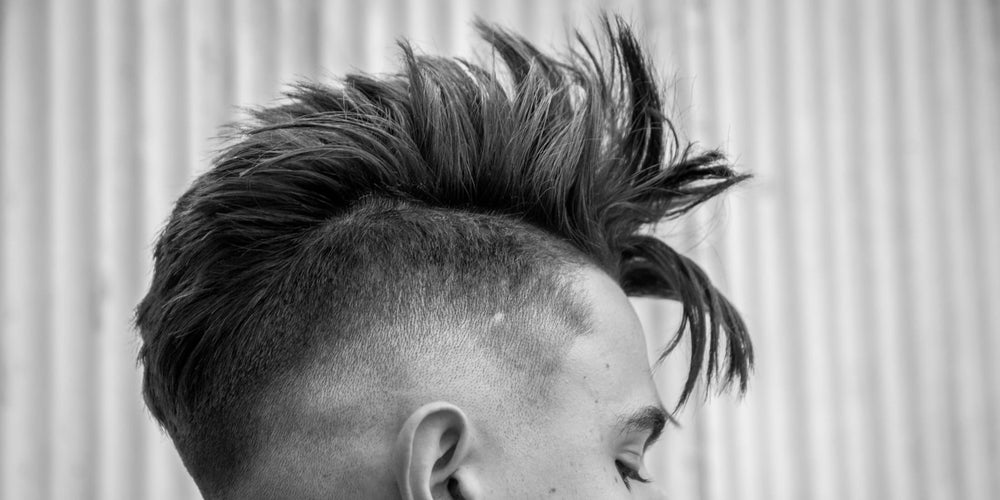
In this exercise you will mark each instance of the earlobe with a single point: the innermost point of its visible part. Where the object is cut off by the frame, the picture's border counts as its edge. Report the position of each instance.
(433, 445)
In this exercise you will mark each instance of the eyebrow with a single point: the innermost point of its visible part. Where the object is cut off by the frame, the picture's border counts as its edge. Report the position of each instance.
(650, 418)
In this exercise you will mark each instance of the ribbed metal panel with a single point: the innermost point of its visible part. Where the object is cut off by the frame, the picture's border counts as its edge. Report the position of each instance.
(864, 254)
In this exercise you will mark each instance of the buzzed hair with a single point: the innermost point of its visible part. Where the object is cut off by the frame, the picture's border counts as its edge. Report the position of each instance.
(449, 188)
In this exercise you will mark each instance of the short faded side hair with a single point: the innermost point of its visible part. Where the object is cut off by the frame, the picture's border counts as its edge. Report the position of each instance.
(554, 152)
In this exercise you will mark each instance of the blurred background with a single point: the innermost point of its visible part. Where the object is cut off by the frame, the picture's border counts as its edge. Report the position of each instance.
(864, 254)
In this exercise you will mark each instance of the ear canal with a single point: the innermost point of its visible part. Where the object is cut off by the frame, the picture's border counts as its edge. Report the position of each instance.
(455, 489)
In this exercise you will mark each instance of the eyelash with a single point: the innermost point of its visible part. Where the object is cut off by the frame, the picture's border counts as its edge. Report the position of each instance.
(629, 474)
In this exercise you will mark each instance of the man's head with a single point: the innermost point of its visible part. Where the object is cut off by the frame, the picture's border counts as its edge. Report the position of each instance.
(416, 285)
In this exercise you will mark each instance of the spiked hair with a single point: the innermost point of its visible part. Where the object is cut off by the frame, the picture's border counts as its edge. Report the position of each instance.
(574, 147)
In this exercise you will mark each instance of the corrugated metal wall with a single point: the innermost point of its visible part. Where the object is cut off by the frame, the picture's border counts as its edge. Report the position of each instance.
(864, 254)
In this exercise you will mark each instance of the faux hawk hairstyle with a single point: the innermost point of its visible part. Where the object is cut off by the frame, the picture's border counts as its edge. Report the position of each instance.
(576, 146)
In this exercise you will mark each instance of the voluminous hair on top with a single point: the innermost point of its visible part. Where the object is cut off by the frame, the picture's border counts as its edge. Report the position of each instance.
(575, 147)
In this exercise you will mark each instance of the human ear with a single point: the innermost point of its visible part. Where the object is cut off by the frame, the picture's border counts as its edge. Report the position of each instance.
(432, 452)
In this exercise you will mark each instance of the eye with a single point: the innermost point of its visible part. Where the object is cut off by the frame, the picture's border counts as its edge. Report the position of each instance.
(629, 473)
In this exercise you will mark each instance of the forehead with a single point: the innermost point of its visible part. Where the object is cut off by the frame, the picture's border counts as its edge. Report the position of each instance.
(609, 365)
(604, 384)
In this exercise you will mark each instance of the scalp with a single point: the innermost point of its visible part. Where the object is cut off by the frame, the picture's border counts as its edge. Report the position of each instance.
(484, 324)
(394, 302)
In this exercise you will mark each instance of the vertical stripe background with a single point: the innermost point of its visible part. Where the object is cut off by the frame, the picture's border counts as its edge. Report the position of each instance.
(864, 253)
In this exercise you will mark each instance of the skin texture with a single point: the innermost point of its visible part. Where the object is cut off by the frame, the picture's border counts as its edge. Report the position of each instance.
(479, 438)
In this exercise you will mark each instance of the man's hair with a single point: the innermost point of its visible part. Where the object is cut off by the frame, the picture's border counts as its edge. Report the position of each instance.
(342, 209)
